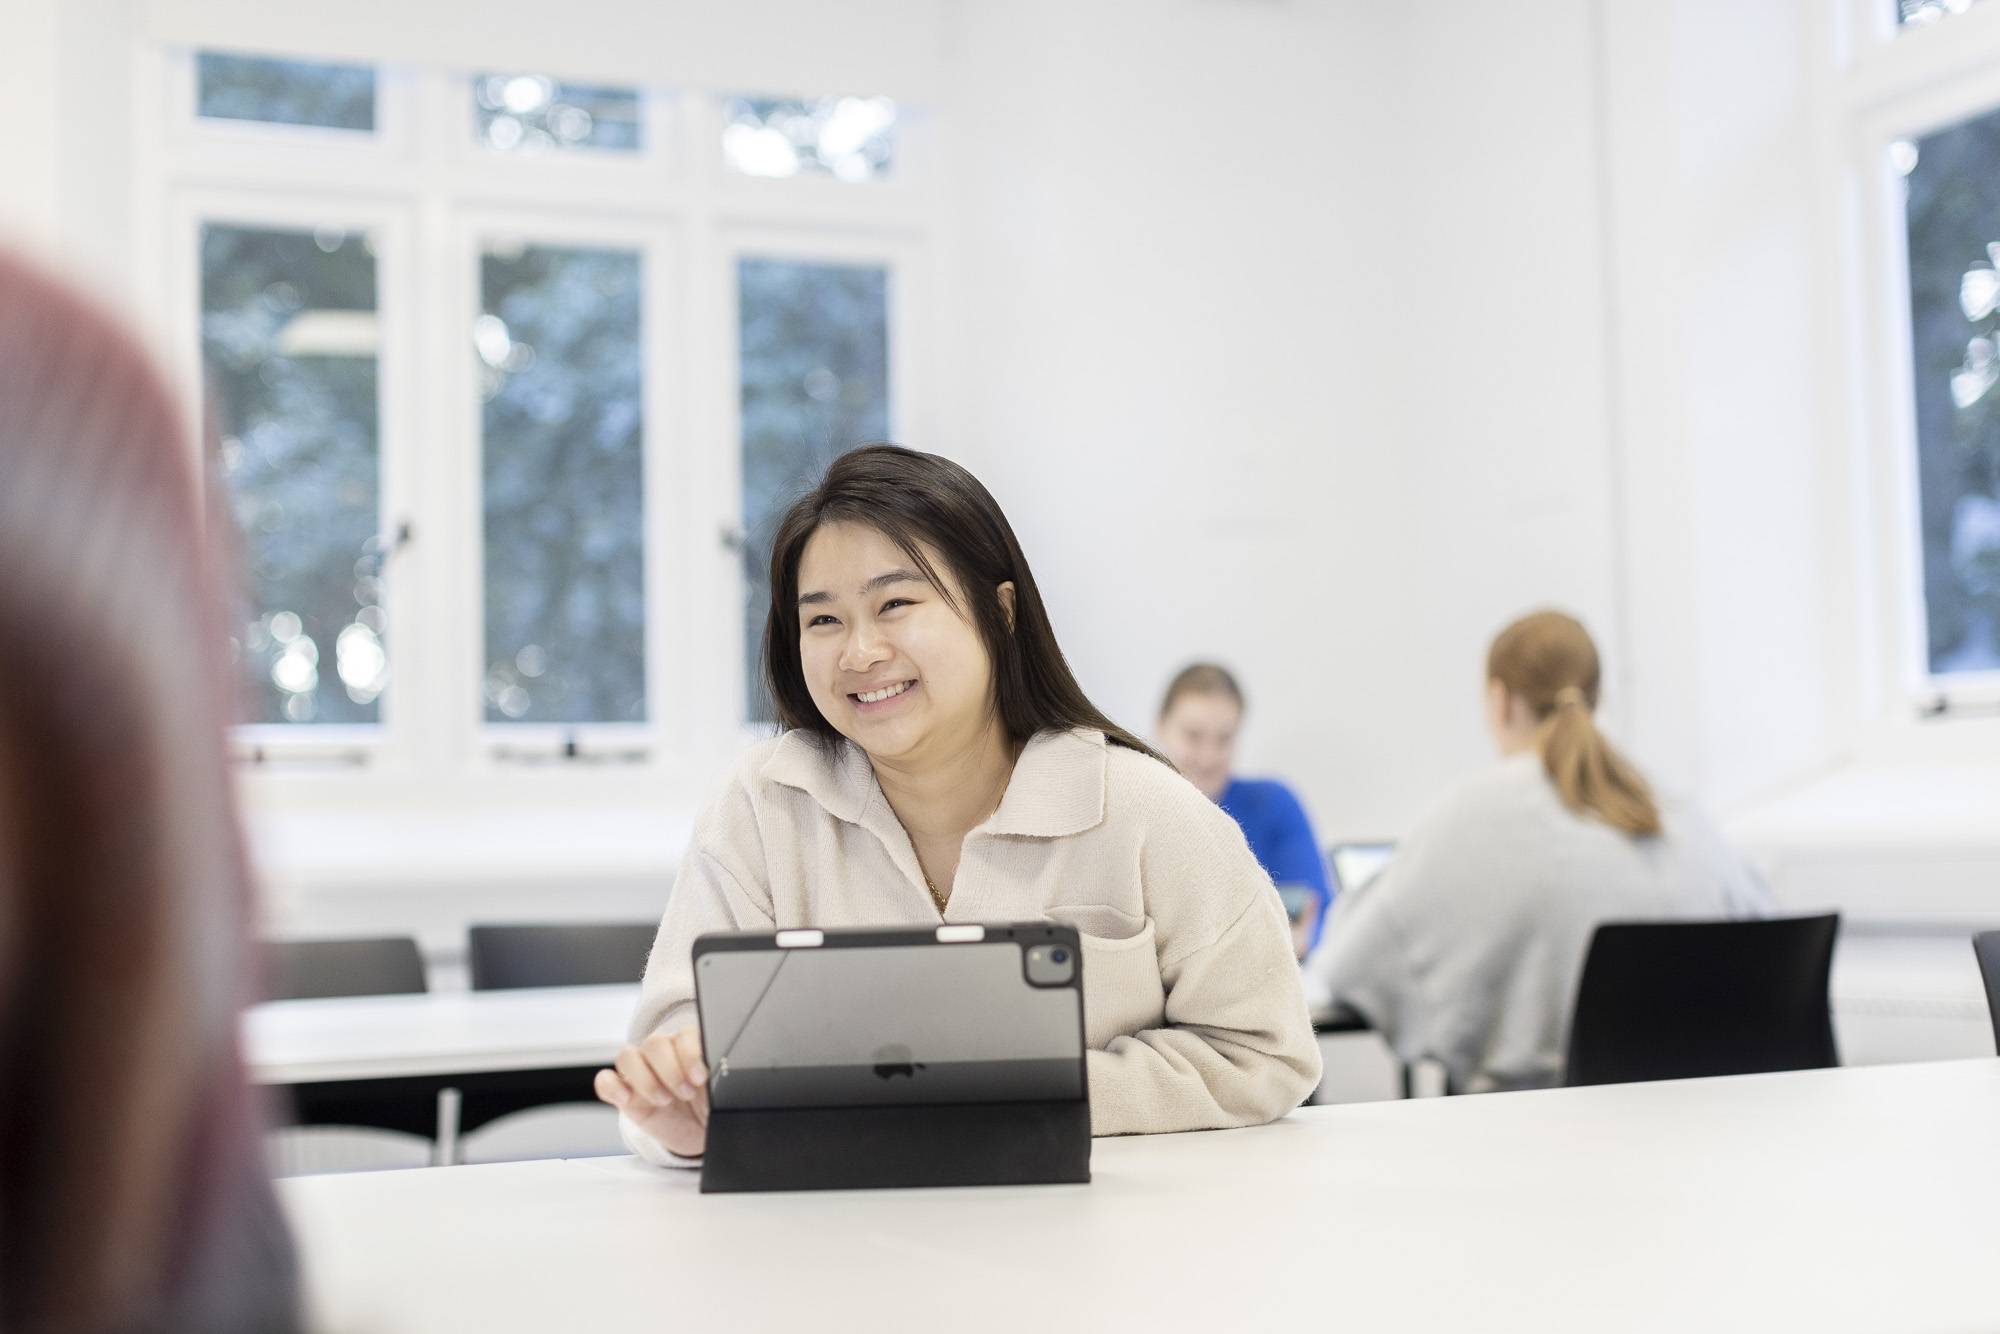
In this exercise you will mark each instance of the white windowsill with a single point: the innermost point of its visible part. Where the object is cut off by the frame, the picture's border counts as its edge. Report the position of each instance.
(456, 846)
(1901, 839)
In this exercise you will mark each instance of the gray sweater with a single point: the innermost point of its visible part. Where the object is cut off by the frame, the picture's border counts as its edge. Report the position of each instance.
(1467, 948)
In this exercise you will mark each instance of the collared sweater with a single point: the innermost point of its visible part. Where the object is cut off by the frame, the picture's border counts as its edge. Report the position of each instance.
(1193, 1011)
(1469, 945)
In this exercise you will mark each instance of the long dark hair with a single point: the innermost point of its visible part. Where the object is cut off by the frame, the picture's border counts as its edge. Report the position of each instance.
(132, 1188)
(926, 504)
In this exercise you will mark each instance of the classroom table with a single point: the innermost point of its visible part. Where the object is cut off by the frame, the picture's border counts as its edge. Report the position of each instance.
(1831, 1200)
(374, 1037)
(382, 1060)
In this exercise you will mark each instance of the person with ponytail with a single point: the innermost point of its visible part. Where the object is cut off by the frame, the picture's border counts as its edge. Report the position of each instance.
(1468, 947)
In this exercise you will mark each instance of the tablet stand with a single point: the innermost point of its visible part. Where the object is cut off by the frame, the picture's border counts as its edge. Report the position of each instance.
(1001, 1096)
(861, 1148)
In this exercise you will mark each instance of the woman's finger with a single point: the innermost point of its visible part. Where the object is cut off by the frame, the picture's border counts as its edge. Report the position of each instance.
(639, 1076)
(610, 1088)
(687, 1043)
(662, 1054)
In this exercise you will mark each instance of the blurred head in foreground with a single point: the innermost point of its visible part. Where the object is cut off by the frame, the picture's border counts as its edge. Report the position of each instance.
(132, 1190)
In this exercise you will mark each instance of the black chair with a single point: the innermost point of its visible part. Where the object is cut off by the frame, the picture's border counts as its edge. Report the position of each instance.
(1680, 1000)
(1342, 1018)
(302, 969)
(339, 1125)
(1986, 945)
(583, 954)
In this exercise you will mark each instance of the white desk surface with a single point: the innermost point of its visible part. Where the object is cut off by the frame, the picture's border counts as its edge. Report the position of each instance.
(1857, 1199)
(373, 1037)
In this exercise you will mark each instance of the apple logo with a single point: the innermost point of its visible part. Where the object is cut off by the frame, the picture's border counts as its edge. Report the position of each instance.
(894, 1060)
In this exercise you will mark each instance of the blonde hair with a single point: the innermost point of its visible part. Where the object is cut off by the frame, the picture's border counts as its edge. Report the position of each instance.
(1549, 661)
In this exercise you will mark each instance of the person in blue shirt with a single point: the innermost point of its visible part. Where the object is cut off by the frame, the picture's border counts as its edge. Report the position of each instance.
(1198, 723)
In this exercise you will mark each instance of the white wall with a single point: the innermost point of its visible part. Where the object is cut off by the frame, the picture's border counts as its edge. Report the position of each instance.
(780, 46)
(1505, 426)
(1718, 365)
(30, 212)
(1475, 308)
(1283, 345)
(1179, 377)
(66, 161)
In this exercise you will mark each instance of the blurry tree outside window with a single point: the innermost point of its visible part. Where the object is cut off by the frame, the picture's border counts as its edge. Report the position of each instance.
(559, 355)
(815, 382)
(532, 113)
(1953, 182)
(1919, 13)
(286, 92)
(289, 341)
(848, 138)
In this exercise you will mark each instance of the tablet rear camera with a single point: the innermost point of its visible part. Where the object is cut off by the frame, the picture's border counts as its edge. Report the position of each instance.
(1051, 965)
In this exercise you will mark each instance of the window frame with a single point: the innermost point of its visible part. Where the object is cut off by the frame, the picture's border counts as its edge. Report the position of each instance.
(190, 132)
(910, 373)
(1907, 86)
(657, 242)
(189, 210)
(660, 151)
(430, 192)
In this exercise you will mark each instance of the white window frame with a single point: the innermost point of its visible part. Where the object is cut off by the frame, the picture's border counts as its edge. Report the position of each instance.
(392, 226)
(432, 193)
(1892, 84)
(656, 242)
(191, 133)
(910, 373)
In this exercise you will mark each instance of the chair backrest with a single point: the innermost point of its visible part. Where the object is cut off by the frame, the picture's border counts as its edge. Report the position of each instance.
(300, 969)
(1987, 946)
(581, 954)
(1679, 1000)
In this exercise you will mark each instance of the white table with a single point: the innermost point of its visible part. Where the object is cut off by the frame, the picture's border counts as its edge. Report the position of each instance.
(442, 1063)
(440, 1033)
(1856, 1199)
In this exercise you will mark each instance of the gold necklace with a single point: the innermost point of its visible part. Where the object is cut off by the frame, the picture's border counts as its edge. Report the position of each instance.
(942, 899)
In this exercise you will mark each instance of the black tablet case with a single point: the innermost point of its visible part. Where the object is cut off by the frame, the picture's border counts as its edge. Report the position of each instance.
(806, 1128)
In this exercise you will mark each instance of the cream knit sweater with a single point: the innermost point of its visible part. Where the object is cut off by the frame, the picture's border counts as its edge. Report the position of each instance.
(1193, 1009)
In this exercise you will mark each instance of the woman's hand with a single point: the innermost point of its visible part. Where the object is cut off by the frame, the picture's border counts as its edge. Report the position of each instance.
(662, 1086)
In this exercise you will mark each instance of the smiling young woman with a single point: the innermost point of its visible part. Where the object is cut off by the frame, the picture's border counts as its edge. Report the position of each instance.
(938, 762)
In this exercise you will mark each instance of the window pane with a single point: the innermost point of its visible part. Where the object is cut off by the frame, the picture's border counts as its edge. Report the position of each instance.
(558, 346)
(289, 92)
(289, 347)
(1953, 179)
(1914, 13)
(851, 138)
(815, 366)
(528, 113)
